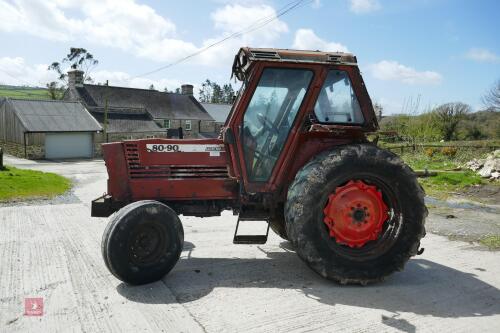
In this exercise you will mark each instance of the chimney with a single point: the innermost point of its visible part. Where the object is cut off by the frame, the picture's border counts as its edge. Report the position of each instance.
(187, 89)
(75, 78)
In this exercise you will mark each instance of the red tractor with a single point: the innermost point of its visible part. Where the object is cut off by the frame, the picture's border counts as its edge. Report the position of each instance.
(293, 152)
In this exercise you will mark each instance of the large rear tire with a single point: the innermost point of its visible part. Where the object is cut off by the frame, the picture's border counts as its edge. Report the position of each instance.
(278, 225)
(339, 181)
(142, 242)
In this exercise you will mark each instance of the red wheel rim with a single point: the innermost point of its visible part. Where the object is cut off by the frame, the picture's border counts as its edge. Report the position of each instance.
(355, 213)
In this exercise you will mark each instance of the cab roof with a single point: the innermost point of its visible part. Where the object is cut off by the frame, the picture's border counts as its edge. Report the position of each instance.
(246, 56)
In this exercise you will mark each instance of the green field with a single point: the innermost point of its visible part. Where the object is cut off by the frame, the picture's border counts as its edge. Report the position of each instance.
(26, 184)
(23, 92)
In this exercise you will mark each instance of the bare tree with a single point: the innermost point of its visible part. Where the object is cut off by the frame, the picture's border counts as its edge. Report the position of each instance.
(212, 92)
(492, 98)
(449, 116)
(78, 58)
(206, 91)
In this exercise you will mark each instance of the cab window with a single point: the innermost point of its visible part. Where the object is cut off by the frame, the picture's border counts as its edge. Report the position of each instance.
(337, 102)
(270, 116)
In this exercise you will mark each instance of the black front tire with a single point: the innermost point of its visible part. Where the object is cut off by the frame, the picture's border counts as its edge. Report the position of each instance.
(142, 242)
(308, 195)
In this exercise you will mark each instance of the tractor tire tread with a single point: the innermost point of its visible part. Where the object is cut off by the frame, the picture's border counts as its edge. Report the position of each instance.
(302, 200)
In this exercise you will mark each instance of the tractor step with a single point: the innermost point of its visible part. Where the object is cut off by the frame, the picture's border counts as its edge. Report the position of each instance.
(250, 239)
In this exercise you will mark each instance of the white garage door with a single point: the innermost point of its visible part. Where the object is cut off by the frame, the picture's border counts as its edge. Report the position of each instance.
(68, 145)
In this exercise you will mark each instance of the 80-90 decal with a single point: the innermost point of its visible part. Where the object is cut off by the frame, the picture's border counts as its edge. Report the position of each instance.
(212, 149)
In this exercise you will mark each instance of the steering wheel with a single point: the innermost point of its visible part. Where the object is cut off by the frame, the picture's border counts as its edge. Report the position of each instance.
(266, 123)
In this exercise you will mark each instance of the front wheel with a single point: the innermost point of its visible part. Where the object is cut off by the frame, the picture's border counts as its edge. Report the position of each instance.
(142, 242)
(355, 214)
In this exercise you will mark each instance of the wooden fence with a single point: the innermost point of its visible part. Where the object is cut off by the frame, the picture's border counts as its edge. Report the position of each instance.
(414, 147)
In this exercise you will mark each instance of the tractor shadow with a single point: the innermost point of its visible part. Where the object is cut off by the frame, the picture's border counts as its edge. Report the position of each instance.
(424, 287)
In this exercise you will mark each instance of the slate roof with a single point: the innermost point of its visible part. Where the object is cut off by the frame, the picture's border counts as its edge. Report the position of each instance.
(218, 111)
(53, 116)
(158, 104)
(126, 120)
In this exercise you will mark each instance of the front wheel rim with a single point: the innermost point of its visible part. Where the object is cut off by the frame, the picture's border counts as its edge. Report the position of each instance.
(147, 244)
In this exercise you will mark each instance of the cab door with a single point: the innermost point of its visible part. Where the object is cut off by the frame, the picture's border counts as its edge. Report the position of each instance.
(267, 119)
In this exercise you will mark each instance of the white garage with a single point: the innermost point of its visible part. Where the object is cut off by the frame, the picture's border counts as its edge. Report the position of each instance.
(48, 129)
(68, 145)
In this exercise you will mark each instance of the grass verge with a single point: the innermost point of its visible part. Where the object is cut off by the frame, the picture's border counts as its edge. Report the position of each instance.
(446, 183)
(492, 242)
(27, 184)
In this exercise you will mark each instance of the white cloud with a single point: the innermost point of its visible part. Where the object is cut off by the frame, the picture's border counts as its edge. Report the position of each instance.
(364, 6)
(15, 71)
(135, 28)
(39, 18)
(233, 18)
(118, 23)
(166, 50)
(482, 55)
(393, 71)
(306, 39)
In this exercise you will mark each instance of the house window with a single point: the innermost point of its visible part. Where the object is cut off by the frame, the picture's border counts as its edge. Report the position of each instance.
(166, 123)
(188, 125)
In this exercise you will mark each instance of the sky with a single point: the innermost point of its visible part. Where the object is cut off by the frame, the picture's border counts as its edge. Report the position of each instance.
(413, 54)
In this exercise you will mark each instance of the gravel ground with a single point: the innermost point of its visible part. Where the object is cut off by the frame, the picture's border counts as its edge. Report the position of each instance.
(462, 219)
(66, 198)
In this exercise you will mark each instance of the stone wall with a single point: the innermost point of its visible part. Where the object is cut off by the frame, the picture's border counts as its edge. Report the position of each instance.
(33, 152)
(97, 149)
(197, 127)
(207, 126)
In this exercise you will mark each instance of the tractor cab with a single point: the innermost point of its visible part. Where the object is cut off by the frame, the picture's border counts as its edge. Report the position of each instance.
(287, 98)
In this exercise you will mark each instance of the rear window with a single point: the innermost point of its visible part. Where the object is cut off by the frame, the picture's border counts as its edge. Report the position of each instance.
(337, 102)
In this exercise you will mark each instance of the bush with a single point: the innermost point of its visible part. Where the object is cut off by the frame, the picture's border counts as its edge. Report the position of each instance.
(449, 151)
(473, 132)
(414, 129)
(429, 152)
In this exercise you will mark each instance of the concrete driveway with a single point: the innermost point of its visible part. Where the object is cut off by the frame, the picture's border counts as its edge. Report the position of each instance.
(52, 251)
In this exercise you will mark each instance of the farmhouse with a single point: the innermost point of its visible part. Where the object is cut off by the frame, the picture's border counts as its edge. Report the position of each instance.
(38, 129)
(164, 110)
(92, 114)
